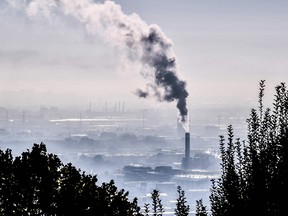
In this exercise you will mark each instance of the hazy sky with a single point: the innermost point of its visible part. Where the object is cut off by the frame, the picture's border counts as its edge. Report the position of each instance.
(223, 49)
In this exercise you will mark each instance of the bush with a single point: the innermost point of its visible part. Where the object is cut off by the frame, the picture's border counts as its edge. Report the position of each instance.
(37, 183)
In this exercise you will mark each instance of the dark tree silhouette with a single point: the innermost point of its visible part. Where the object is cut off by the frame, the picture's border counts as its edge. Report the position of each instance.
(157, 207)
(200, 208)
(182, 209)
(6, 183)
(146, 209)
(37, 183)
(254, 176)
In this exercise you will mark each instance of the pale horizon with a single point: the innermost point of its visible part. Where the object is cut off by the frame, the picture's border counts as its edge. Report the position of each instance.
(222, 52)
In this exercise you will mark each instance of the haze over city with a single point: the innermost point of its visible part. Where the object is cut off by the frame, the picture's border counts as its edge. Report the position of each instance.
(137, 91)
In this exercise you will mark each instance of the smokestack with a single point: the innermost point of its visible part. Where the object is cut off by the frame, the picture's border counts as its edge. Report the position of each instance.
(187, 146)
(186, 161)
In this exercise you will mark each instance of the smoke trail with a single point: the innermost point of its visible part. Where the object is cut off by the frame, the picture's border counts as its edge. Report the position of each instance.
(144, 43)
(158, 56)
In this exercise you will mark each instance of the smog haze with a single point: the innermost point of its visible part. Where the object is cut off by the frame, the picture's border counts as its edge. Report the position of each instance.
(222, 49)
(137, 91)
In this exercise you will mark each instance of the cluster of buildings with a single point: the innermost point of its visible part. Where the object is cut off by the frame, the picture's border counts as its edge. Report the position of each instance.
(140, 149)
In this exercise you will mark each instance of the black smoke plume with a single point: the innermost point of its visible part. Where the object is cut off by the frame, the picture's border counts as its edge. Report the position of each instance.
(143, 43)
(155, 49)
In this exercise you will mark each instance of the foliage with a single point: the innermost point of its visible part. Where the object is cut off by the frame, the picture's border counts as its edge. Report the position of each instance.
(254, 173)
(182, 209)
(200, 208)
(157, 207)
(146, 209)
(37, 183)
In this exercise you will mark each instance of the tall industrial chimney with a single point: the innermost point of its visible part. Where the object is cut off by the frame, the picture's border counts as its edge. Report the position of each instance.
(187, 146)
(186, 160)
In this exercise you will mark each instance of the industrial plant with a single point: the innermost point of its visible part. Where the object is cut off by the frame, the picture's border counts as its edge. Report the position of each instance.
(141, 149)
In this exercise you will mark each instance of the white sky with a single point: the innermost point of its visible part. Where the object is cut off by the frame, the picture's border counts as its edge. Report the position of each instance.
(223, 48)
